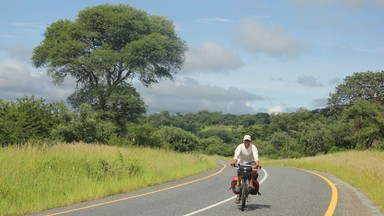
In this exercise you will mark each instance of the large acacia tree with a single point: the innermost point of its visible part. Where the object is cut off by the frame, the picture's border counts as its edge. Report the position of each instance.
(359, 103)
(360, 86)
(105, 49)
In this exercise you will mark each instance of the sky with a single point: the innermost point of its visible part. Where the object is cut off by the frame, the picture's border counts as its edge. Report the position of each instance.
(244, 56)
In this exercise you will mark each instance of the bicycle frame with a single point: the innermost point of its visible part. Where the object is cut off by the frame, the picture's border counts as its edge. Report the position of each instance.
(245, 171)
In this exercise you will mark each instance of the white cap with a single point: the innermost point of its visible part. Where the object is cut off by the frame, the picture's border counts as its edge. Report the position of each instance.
(247, 137)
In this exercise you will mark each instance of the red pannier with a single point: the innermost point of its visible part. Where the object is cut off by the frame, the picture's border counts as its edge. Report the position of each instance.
(253, 192)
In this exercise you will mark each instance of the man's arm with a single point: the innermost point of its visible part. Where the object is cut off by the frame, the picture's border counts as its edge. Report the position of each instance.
(255, 153)
(235, 157)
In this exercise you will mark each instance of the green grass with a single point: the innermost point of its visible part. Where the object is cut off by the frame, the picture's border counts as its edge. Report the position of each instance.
(362, 169)
(36, 178)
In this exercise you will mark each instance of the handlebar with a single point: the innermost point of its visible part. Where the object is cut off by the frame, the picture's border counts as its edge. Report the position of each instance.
(237, 165)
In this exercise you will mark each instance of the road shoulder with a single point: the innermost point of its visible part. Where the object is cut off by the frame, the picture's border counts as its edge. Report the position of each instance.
(352, 202)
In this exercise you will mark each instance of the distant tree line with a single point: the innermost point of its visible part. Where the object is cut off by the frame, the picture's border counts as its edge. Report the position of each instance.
(352, 120)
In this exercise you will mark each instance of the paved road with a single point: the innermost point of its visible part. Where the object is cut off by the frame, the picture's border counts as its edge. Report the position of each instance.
(285, 191)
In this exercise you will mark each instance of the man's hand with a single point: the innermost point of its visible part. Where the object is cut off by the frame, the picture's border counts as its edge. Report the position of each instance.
(233, 163)
(255, 168)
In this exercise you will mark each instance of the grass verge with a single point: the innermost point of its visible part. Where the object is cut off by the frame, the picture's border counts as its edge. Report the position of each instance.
(362, 169)
(33, 178)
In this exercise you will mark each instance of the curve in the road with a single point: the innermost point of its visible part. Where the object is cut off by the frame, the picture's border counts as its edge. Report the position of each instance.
(330, 211)
(332, 205)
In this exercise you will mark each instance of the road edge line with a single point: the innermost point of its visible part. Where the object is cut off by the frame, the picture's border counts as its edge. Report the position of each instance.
(333, 203)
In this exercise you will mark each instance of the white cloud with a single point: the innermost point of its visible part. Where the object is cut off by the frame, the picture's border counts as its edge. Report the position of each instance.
(211, 57)
(26, 24)
(187, 95)
(271, 39)
(308, 81)
(216, 20)
(276, 110)
(17, 80)
(13, 75)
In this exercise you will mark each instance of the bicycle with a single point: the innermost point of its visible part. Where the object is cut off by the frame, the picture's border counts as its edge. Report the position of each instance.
(245, 171)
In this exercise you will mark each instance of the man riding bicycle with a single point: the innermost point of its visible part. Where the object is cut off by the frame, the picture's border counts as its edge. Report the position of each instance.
(246, 153)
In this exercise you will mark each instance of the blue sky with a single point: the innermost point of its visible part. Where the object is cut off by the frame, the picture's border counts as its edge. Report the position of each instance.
(244, 57)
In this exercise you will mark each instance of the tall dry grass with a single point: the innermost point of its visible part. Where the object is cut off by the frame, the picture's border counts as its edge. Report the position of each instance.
(36, 178)
(362, 169)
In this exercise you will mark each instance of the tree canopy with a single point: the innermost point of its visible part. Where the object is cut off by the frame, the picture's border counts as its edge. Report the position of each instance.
(107, 47)
(364, 85)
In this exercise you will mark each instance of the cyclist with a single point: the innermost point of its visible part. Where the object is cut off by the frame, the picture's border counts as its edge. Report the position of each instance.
(246, 153)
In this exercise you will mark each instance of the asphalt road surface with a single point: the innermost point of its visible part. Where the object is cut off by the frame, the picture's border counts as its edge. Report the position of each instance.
(284, 191)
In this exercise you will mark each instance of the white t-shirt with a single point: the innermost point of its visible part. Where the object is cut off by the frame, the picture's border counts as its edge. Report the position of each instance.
(245, 155)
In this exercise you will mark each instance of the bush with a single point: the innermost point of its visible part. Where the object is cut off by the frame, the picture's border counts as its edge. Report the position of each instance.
(26, 118)
(142, 135)
(219, 149)
(179, 139)
(84, 125)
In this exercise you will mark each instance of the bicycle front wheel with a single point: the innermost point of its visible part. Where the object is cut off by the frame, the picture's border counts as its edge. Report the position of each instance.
(244, 192)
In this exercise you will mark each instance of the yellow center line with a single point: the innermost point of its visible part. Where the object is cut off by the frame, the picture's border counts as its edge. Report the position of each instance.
(139, 195)
(332, 205)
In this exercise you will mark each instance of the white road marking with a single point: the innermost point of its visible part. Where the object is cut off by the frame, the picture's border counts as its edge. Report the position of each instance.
(231, 198)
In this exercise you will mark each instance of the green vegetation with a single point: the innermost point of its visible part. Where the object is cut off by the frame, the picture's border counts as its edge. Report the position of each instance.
(71, 173)
(362, 169)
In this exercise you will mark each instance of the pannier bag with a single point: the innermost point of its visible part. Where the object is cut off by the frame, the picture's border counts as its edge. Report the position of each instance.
(256, 190)
(253, 191)
(233, 184)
